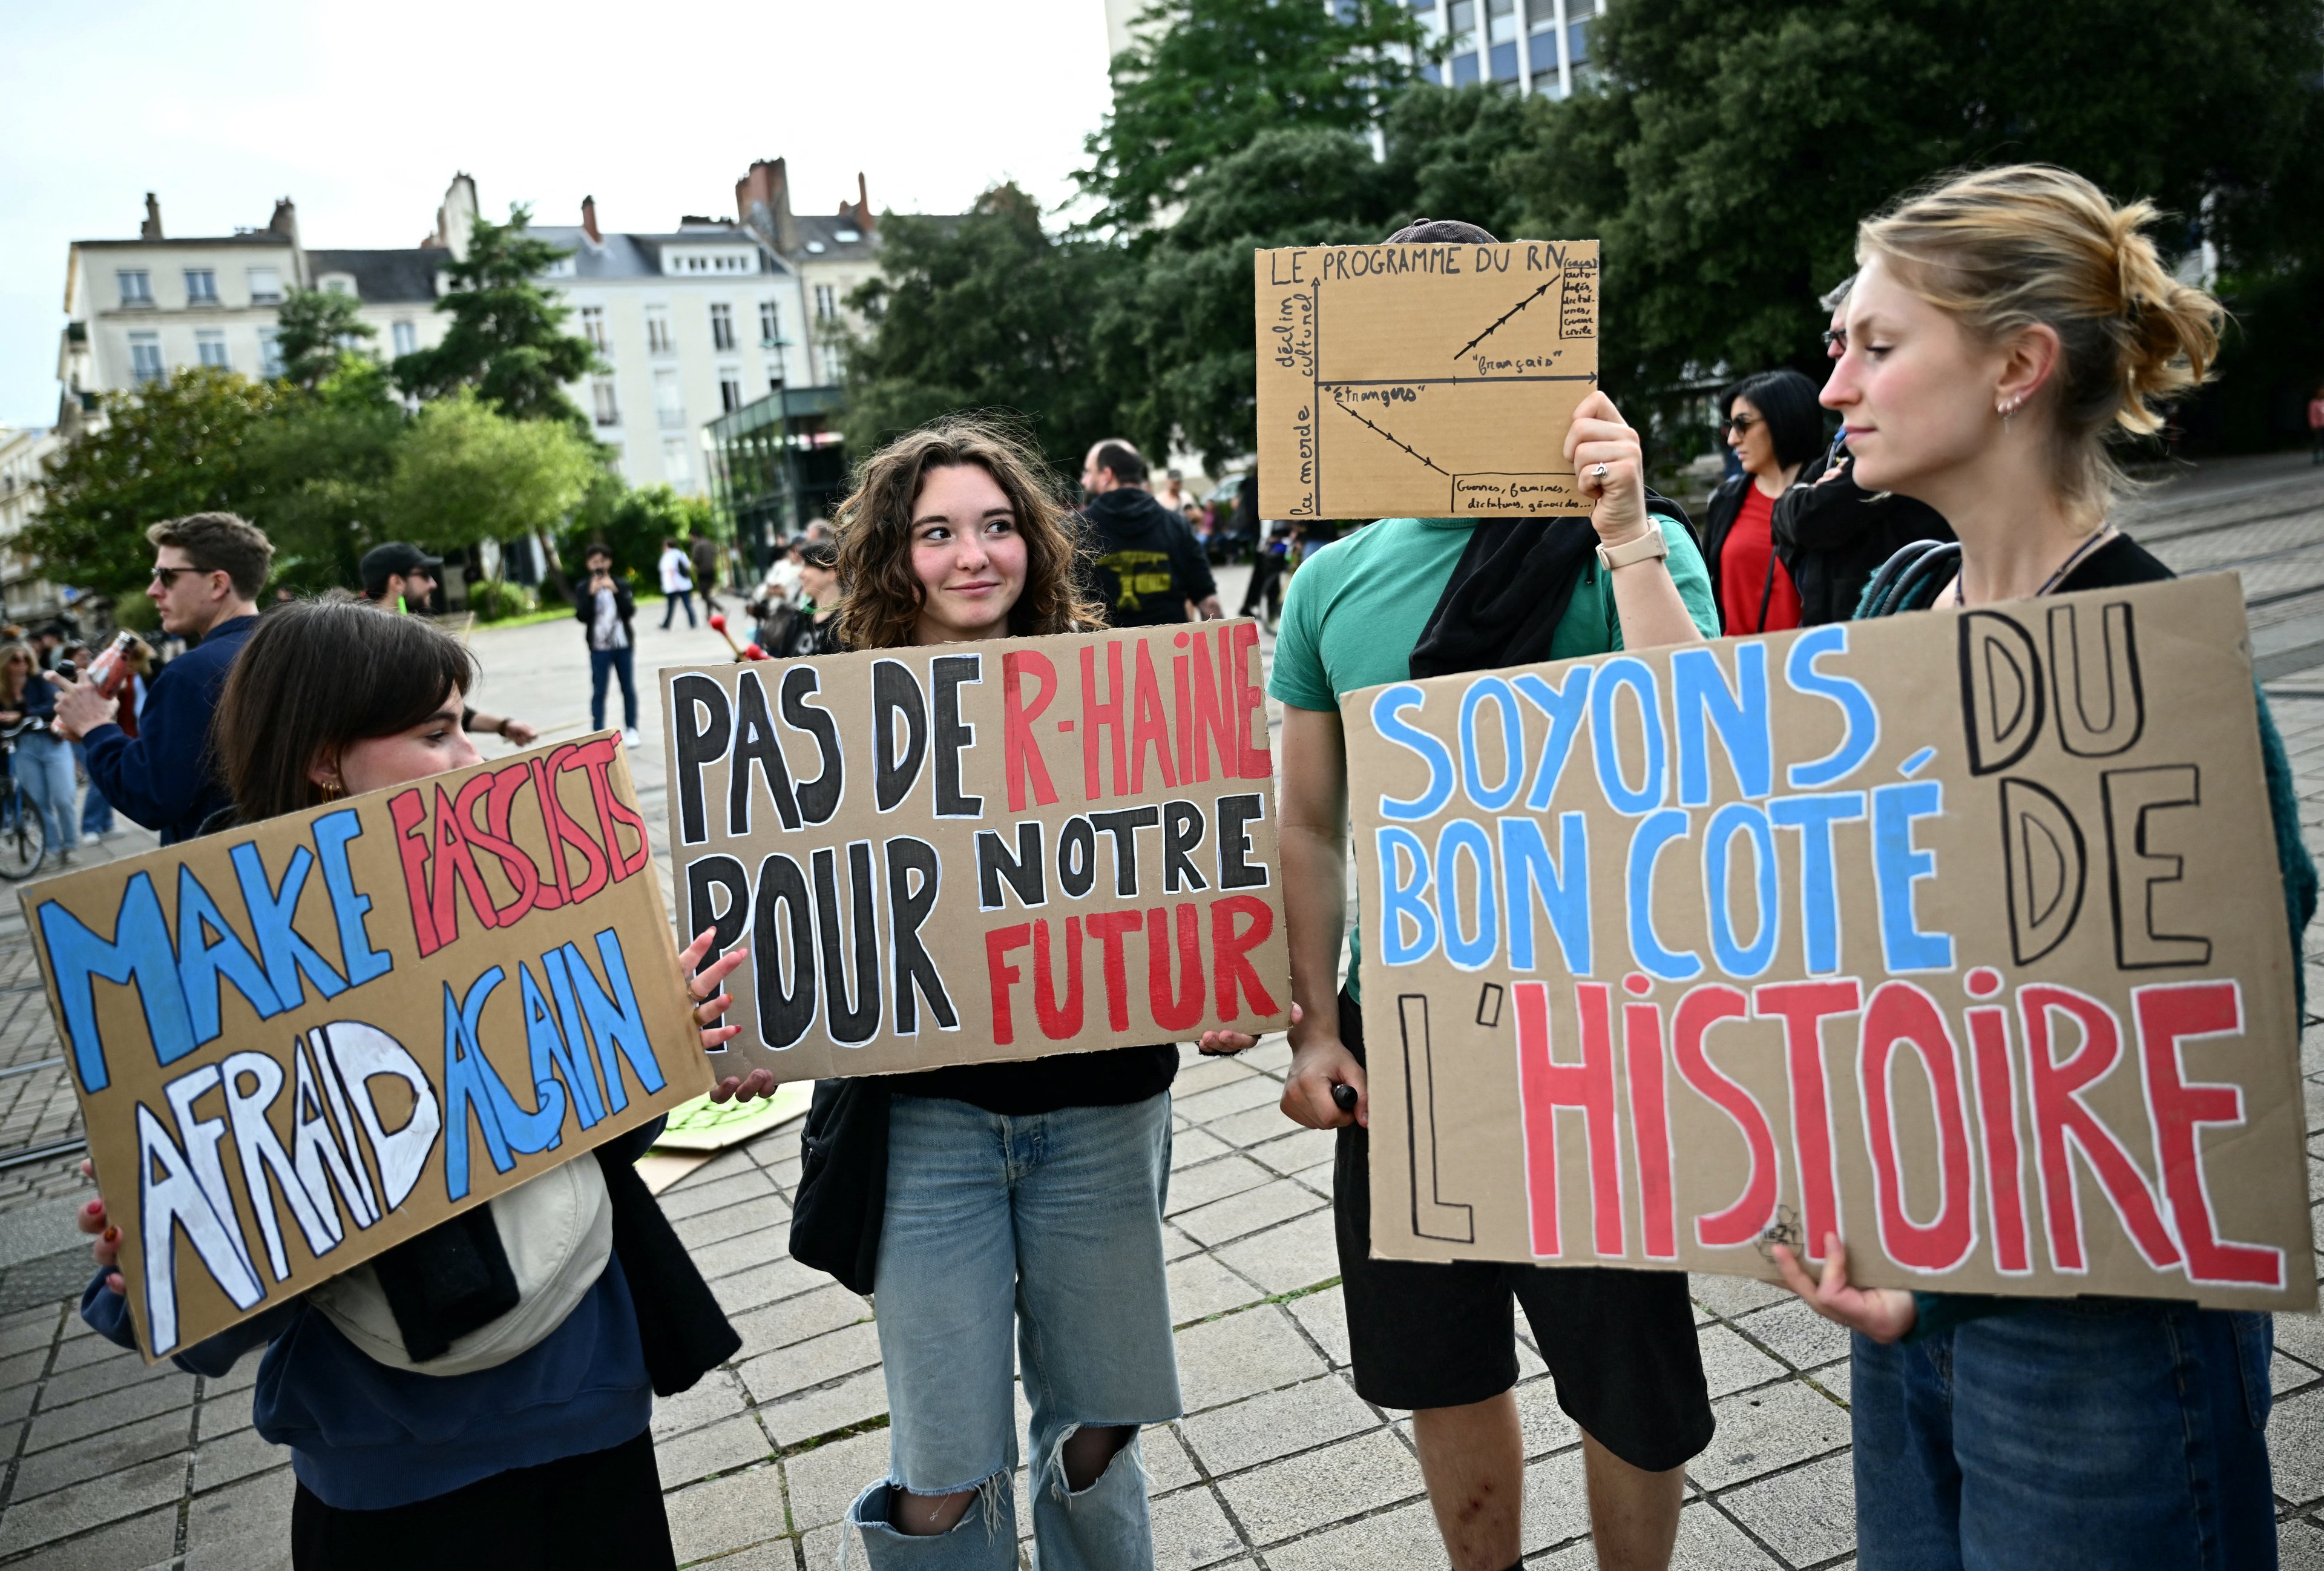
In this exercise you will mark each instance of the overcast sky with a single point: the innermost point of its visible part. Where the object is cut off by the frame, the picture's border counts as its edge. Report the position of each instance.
(362, 114)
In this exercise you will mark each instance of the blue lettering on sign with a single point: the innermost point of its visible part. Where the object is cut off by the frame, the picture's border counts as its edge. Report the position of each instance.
(1561, 885)
(1404, 898)
(1656, 832)
(1468, 946)
(1898, 864)
(204, 963)
(552, 1056)
(139, 950)
(1735, 957)
(1388, 712)
(616, 1021)
(1856, 707)
(1493, 798)
(471, 1084)
(1635, 675)
(1741, 717)
(332, 832)
(1813, 817)
(271, 910)
(1562, 708)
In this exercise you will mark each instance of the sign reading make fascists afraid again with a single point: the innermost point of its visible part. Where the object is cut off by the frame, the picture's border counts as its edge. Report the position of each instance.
(972, 853)
(1960, 935)
(300, 1043)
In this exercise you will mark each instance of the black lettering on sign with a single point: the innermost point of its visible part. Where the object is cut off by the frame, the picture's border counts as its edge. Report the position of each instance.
(2042, 853)
(1236, 870)
(914, 969)
(755, 744)
(1123, 825)
(819, 798)
(704, 724)
(705, 878)
(2001, 690)
(780, 949)
(896, 697)
(2121, 714)
(952, 673)
(2136, 869)
(853, 1015)
(1076, 857)
(1182, 834)
(1021, 872)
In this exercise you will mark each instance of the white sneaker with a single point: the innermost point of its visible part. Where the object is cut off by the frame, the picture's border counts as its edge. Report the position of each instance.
(631, 738)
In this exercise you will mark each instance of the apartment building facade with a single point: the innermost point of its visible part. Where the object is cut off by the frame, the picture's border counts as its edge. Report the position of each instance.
(24, 595)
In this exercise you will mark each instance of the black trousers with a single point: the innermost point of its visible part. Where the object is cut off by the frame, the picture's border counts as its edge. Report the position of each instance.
(600, 1509)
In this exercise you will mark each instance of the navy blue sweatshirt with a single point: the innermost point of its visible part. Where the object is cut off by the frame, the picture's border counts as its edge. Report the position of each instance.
(161, 778)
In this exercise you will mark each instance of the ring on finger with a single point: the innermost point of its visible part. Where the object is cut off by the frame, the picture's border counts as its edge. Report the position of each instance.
(1599, 473)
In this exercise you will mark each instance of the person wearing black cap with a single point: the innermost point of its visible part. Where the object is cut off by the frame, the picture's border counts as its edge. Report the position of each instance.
(400, 576)
(1403, 599)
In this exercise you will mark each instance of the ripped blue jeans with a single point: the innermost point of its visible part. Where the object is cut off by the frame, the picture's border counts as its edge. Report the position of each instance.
(1051, 1226)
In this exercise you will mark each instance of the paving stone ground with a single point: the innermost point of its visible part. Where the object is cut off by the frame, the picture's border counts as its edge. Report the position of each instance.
(108, 1465)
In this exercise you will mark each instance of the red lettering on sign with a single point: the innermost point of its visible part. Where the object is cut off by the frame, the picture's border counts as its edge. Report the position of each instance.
(455, 870)
(409, 813)
(1231, 965)
(1802, 1007)
(2169, 1013)
(1544, 1086)
(1058, 1023)
(1901, 1011)
(1001, 975)
(545, 796)
(1182, 688)
(1253, 760)
(1020, 752)
(1149, 728)
(1108, 928)
(1642, 1043)
(1100, 717)
(1174, 1009)
(597, 757)
(565, 759)
(1741, 1223)
(1215, 712)
(2061, 1116)
(2005, 1164)
(515, 862)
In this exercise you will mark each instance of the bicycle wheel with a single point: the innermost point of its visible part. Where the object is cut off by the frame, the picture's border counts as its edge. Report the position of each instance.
(22, 840)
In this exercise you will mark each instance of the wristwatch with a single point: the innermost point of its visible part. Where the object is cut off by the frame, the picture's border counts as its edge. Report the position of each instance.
(1646, 548)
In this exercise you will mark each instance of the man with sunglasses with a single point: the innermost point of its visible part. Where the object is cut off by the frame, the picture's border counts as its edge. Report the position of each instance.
(208, 568)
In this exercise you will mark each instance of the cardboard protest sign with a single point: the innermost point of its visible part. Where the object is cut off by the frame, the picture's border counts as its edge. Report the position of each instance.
(300, 1043)
(1960, 935)
(1423, 381)
(977, 852)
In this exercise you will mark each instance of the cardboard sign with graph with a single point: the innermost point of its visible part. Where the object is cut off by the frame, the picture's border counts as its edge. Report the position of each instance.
(1960, 935)
(1423, 381)
(300, 1043)
(975, 853)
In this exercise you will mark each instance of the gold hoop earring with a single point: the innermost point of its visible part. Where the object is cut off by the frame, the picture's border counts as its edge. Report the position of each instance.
(330, 791)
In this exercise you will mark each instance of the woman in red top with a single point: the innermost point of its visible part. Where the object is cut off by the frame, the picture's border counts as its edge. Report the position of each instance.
(1775, 426)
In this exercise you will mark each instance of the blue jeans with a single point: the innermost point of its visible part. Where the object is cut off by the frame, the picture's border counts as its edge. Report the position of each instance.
(677, 597)
(96, 811)
(2097, 1434)
(1050, 1226)
(608, 662)
(44, 762)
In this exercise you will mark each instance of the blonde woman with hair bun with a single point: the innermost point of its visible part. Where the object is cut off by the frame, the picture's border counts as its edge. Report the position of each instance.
(2006, 327)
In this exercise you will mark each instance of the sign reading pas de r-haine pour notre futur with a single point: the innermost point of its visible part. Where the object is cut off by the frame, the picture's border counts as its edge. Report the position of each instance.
(299, 1043)
(970, 853)
(1960, 935)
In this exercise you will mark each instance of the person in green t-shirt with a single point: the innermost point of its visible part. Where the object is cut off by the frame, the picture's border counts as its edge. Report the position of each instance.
(1439, 1339)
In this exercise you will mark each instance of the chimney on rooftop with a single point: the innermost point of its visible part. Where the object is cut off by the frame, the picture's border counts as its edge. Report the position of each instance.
(863, 203)
(762, 202)
(151, 229)
(589, 220)
(285, 221)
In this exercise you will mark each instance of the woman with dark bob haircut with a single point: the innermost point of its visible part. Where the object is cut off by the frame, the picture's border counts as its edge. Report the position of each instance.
(441, 1409)
(1024, 1201)
(1775, 426)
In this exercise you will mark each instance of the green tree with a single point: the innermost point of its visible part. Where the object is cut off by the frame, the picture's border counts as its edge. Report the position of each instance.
(317, 473)
(1731, 150)
(633, 524)
(507, 339)
(173, 447)
(315, 329)
(1206, 76)
(465, 472)
(990, 310)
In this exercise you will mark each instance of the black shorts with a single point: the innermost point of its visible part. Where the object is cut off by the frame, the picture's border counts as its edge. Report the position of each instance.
(1620, 1343)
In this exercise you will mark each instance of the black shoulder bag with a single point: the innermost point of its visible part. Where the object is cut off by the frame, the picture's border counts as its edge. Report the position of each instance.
(843, 1188)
